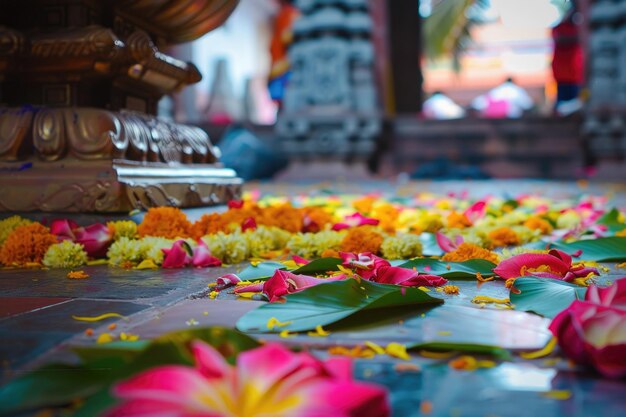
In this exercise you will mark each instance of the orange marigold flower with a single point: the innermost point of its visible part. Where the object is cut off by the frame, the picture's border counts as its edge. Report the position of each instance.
(26, 245)
(364, 204)
(330, 253)
(467, 251)
(537, 223)
(362, 239)
(621, 233)
(458, 221)
(503, 236)
(387, 214)
(316, 218)
(284, 216)
(77, 275)
(167, 222)
(208, 224)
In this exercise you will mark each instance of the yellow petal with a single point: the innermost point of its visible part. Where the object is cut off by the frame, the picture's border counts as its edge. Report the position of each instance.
(548, 348)
(147, 264)
(558, 394)
(98, 318)
(104, 338)
(274, 322)
(397, 350)
(376, 348)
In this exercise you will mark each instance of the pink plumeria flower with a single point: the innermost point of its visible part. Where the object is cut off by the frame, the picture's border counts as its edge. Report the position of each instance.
(267, 381)
(554, 264)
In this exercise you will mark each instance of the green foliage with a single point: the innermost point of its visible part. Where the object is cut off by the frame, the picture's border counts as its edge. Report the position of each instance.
(545, 296)
(331, 302)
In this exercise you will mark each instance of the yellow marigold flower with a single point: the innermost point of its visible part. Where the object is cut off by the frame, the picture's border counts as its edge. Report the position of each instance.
(537, 223)
(129, 252)
(313, 245)
(458, 221)
(401, 246)
(230, 249)
(66, 254)
(467, 251)
(168, 222)
(428, 222)
(621, 233)
(362, 239)
(26, 244)
(568, 220)
(9, 224)
(503, 236)
(122, 228)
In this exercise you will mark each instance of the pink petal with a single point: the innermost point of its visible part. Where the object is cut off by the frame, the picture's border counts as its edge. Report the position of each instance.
(95, 238)
(445, 243)
(299, 260)
(228, 280)
(357, 219)
(284, 282)
(476, 211)
(235, 204)
(202, 256)
(209, 362)
(173, 384)
(177, 256)
(407, 277)
(363, 400)
(62, 228)
(570, 340)
(340, 226)
(248, 224)
(152, 408)
(249, 288)
(513, 267)
(613, 296)
(610, 361)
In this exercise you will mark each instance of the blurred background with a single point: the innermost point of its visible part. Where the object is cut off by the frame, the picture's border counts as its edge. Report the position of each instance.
(441, 89)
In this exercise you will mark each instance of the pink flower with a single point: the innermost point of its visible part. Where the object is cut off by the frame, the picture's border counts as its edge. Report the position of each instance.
(284, 282)
(554, 264)
(354, 220)
(202, 257)
(269, 380)
(300, 260)
(593, 332)
(372, 268)
(178, 256)
(248, 224)
(406, 277)
(95, 238)
(476, 211)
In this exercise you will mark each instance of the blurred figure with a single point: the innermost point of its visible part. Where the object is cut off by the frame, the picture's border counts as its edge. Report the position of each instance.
(441, 107)
(568, 63)
(508, 100)
(281, 39)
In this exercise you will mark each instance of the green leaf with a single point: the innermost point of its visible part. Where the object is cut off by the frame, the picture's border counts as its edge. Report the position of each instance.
(462, 347)
(51, 385)
(263, 270)
(605, 249)
(545, 296)
(331, 302)
(121, 351)
(454, 270)
(319, 266)
(611, 220)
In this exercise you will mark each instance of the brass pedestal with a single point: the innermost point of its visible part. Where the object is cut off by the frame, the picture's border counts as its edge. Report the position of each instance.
(80, 82)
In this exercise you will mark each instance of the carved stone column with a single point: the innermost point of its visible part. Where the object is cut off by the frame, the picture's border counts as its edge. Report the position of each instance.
(79, 85)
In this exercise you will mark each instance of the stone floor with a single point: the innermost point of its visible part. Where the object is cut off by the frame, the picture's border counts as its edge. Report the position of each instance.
(36, 326)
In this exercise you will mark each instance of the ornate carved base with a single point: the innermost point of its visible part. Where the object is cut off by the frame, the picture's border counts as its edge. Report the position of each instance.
(112, 186)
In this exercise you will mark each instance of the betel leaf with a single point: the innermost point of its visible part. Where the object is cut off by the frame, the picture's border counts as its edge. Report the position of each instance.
(612, 221)
(454, 270)
(604, 249)
(51, 385)
(261, 271)
(545, 296)
(430, 247)
(331, 302)
(319, 266)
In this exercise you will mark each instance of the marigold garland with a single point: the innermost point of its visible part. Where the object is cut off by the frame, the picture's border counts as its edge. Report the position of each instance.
(467, 251)
(167, 222)
(362, 239)
(26, 245)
